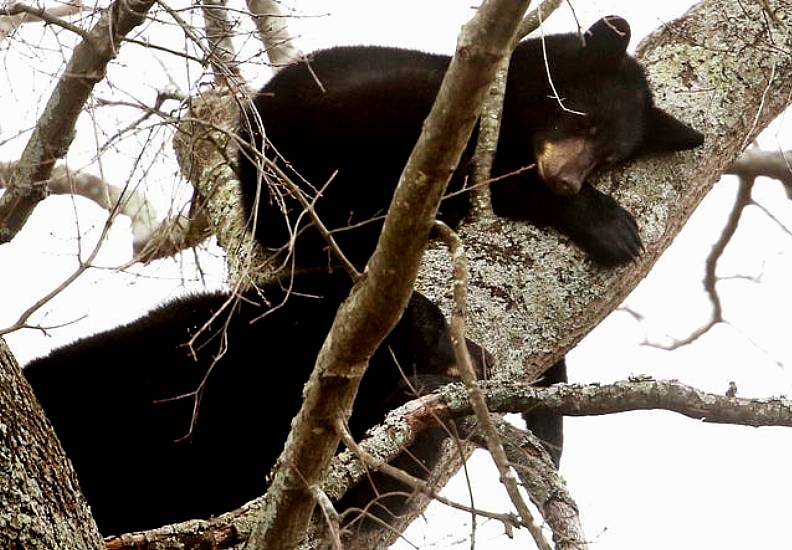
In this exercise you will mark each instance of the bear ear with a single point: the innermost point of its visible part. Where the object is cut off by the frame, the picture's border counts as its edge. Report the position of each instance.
(607, 39)
(663, 133)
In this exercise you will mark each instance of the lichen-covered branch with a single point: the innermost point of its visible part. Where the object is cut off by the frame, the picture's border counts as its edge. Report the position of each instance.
(54, 129)
(525, 453)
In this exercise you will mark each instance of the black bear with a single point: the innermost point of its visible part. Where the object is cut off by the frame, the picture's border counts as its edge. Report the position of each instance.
(342, 125)
(148, 453)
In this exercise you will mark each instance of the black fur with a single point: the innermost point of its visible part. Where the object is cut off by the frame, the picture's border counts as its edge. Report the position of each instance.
(549, 428)
(353, 116)
(110, 398)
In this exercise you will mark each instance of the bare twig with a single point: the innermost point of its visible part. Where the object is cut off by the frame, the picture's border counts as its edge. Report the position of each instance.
(540, 478)
(469, 378)
(710, 281)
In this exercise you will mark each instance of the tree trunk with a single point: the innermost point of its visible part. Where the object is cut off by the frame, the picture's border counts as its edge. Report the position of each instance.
(40, 504)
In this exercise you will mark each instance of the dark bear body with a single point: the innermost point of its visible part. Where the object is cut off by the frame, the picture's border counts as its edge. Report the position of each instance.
(110, 398)
(342, 126)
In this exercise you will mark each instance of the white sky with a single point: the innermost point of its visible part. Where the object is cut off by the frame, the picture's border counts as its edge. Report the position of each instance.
(642, 480)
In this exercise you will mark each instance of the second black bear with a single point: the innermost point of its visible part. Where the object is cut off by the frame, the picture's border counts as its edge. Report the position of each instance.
(121, 405)
(343, 124)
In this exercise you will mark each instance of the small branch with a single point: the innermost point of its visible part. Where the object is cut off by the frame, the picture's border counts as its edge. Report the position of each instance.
(623, 396)
(491, 111)
(469, 378)
(18, 14)
(219, 32)
(545, 487)
(274, 33)
(754, 163)
(536, 17)
(742, 200)
(330, 516)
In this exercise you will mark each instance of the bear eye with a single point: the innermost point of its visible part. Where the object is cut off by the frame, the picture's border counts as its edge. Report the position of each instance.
(593, 131)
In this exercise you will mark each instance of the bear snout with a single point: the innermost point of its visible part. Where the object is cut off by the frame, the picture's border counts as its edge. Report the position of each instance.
(565, 164)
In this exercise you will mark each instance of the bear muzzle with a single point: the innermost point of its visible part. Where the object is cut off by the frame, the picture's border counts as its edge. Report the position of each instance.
(565, 164)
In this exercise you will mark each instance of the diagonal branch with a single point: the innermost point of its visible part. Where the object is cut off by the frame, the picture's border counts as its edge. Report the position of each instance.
(55, 128)
(375, 305)
(18, 13)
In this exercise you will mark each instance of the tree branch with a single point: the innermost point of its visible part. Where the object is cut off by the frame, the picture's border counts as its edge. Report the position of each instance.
(42, 507)
(55, 128)
(18, 13)
(545, 487)
(525, 453)
(274, 32)
(489, 123)
(219, 32)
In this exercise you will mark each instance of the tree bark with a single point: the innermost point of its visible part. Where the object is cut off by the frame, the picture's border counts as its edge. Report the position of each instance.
(42, 508)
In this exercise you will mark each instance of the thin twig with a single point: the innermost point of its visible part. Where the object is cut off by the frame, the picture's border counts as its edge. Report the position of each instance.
(469, 378)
